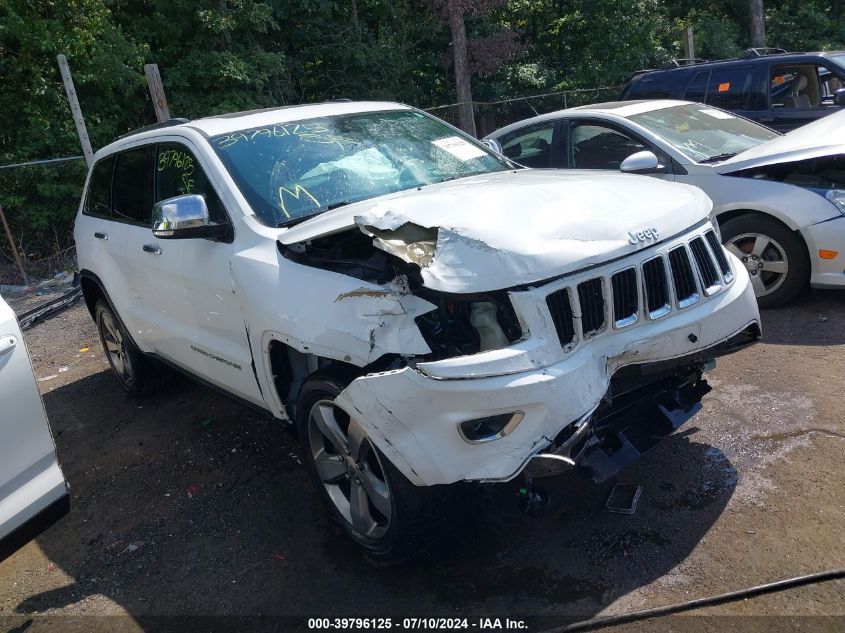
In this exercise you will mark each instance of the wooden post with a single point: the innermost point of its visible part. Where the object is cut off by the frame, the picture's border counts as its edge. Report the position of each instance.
(13, 247)
(157, 92)
(689, 44)
(76, 110)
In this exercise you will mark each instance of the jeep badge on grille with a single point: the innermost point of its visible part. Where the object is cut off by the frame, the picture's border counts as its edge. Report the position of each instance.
(644, 236)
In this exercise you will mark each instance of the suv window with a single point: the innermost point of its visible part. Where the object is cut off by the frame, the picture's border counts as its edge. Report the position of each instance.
(697, 90)
(655, 86)
(731, 88)
(599, 147)
(531, 146)
(178, 173)
(132, 191)
(98, 201)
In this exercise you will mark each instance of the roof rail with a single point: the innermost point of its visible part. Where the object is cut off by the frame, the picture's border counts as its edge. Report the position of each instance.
(760, 52)
(683, 61)
(154, 126)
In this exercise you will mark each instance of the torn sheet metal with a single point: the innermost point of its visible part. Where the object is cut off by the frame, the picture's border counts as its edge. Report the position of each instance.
(507, 229)
(333, 315)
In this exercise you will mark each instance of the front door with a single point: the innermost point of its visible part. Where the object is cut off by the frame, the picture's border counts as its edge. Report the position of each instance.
(184, 286)
(800, 93)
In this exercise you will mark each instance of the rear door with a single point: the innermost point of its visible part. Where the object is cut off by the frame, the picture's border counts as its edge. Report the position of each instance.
(534, 145)
(33, 492)
(733, 88)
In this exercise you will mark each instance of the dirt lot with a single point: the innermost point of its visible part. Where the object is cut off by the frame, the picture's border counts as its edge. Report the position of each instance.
(187, 503)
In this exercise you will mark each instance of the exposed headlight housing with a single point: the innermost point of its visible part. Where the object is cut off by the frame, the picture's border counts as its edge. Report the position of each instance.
(837, 197)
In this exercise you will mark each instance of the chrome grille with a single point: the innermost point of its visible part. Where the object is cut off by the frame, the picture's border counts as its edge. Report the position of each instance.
(683, 278)
(648, 289)
(658, 301)
(719, 253)
(626, 300)
(561, 310)
(591, 299)
(710, 277)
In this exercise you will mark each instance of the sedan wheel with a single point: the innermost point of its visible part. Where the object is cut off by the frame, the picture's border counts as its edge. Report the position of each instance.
(764, 258)
(350, 470)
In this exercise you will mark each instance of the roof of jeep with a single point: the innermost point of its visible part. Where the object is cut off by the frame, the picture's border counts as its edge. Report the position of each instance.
(234, 121)
(223, 123)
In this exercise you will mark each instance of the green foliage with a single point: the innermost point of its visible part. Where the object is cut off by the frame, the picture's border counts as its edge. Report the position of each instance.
(802, 26)
(226, 55)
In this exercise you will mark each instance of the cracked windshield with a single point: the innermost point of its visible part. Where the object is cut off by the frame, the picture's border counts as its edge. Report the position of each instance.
(291, 171)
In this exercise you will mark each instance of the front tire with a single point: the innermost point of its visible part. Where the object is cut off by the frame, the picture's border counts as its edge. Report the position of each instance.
(775, 257)
(389, 518)
(136, 373)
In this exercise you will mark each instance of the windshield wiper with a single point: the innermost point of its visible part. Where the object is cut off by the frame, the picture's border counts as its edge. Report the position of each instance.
(295, 221)
(718, 157)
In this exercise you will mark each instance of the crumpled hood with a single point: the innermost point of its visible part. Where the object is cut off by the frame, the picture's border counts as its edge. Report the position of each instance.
(511, 228)
(825, 137)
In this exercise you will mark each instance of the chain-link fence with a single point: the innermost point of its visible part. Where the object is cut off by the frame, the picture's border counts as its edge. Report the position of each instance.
(491, 115)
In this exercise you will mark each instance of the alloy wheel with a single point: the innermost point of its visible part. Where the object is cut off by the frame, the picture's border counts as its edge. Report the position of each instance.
(115, 346)
(764, 258)
(350, 469)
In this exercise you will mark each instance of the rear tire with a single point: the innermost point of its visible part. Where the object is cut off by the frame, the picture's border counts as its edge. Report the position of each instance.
(776, 258)
(390, 519)
(138, 374)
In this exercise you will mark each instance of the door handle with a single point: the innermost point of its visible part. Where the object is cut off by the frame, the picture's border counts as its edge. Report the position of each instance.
(767, 119)
(101, 236)
(7, 344)
(152, 248)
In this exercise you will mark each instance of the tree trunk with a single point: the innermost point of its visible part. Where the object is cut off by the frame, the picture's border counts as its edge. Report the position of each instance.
(466, 121)
(356, 25)
(758, 23)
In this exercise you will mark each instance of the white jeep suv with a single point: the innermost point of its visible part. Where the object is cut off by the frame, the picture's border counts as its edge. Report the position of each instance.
(423, 310)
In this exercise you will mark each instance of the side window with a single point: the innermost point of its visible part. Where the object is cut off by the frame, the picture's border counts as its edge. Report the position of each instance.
(178, 173)
(98, 199)
(531, 146)
(600, 147)
(697, 90)
(796, 86)
(731, 88)
(132, 191)
(657, 86)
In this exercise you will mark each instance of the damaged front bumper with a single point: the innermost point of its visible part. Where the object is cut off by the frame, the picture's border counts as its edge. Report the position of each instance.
(414, 414)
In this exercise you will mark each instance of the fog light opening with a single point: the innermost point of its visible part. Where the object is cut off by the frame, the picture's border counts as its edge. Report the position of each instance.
(489, 428)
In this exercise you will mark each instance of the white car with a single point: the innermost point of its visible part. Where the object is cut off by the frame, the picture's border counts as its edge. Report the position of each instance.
(33, 492)
(424, 311)
(780, 200)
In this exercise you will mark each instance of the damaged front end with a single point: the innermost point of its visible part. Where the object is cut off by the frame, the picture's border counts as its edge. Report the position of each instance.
(455, 324)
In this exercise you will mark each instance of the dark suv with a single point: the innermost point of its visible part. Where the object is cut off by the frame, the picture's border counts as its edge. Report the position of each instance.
(778, 89)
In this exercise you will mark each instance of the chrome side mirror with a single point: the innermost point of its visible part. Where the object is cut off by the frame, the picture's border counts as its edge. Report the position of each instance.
(644, 162)
(839, 97)
(493, 144)
(184, 217)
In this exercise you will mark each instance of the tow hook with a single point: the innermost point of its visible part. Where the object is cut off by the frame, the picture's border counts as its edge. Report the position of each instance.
(533, 500)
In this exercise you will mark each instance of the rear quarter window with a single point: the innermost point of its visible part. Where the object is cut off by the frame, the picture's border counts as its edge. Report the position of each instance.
(132, 195)
(657, 86)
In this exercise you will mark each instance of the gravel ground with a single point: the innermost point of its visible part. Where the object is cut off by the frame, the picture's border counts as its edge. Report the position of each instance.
(187, 503)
